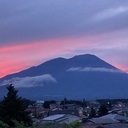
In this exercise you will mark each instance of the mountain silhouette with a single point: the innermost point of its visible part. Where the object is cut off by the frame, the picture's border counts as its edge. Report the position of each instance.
(82, 76)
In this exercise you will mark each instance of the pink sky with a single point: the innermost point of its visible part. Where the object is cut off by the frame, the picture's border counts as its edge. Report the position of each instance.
(15, 58)
(34, 32)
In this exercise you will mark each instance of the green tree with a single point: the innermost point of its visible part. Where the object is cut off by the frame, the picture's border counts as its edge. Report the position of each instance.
(13, 108)
(92, 112)
(75, 124)
(102, 110)
(3, 125)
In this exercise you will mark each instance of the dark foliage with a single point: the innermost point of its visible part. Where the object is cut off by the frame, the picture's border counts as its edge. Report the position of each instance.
(47, 103)
(13, 108)
(102, 110)
(112, 101)
(76, 102)
(92, 112)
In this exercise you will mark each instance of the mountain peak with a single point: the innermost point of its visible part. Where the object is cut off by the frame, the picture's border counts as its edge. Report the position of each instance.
(89, 60)
(55, 65)
(83, 74)
(85, 55)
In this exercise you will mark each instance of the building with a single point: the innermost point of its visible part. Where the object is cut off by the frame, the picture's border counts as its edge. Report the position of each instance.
(59, 119)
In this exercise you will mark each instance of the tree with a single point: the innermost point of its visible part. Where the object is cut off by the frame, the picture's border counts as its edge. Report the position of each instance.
(84, 103)
(102, 110)
(13, 109)
(75, 124)
(46, 104)
(109, 105)
(92, 112)
(3, 125)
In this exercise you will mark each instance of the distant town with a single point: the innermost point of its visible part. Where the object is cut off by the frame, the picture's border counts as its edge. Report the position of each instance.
(103, 113)
(18, 112)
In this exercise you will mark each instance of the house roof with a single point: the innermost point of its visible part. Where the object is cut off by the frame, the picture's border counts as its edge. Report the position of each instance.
(53, 117)
(104, 121)
(69, 119)
(66, 111)
(58, 119)
(114, 116)
(116, 126)
(109, 119)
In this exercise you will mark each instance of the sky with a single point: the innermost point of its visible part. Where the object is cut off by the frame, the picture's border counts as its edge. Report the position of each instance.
(34, 31)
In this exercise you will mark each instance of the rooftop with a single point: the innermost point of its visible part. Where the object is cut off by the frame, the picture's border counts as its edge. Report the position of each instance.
(54, 117)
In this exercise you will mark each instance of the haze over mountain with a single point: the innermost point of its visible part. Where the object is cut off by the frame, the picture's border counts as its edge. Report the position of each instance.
(83, 76)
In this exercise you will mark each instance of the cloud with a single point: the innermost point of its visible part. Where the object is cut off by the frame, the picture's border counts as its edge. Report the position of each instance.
(62, 27)
(18, 57)
(92, 69)
(29, 81)
(109, 13)
(26, 21)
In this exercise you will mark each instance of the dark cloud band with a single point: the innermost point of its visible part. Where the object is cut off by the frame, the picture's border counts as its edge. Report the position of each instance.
(31, 20)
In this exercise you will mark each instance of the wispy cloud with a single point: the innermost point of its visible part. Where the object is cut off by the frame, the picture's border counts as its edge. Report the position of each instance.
(29, 81)
(92, 69)
(27, 21)
(62, 27)
(109, 13)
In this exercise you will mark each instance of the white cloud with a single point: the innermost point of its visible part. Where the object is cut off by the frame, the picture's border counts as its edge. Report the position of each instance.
(109, 13)
(93, 69)
(29, 81)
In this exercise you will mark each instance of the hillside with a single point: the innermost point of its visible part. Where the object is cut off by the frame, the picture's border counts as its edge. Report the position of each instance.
(84, 76)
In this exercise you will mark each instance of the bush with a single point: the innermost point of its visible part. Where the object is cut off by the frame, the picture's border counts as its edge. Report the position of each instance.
(3, 125)
(75, 124)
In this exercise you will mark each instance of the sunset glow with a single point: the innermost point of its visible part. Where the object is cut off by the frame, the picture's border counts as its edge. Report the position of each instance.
(32, 33)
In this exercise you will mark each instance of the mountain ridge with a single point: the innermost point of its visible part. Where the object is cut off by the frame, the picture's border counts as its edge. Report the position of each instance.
(83, 74)
(86, 56)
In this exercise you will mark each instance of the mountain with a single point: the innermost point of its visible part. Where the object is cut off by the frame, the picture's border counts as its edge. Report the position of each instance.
(83, 76)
